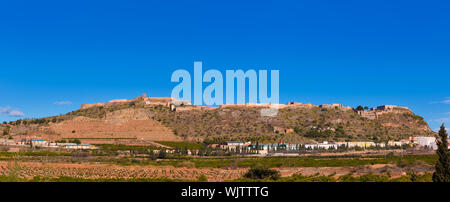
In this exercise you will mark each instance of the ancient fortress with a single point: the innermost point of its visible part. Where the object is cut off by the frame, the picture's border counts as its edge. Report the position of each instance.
(373, 113)
(180, 105)
(166, 101)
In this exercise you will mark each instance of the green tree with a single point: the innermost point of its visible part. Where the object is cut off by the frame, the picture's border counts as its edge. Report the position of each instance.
(340, 132)
(162, 154)
(442, 173)
(413, 176)
(75, 141)
(360, 108)
(202, 178)
(261, 172)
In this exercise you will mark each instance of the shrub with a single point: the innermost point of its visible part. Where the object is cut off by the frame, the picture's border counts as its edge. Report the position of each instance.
(162, 154)
(202, 178)
(262, 173)
(75, 141)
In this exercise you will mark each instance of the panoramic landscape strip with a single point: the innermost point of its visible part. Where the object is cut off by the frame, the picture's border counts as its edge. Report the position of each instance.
(154, 139)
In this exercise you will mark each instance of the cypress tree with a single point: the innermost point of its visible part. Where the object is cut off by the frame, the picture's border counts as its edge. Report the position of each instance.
(442, 173)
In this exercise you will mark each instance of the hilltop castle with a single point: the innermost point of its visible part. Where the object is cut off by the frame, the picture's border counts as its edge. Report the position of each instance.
(373, 113)
(180, 105)
(167, 101)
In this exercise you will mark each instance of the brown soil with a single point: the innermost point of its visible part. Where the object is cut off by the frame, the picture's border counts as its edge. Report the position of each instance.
(29, 170)
(93, 171)
(114, 127)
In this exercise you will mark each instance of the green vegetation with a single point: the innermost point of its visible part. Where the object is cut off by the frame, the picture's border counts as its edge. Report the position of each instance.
(202, 178)
(261, 173)
(144, 155)
(114, 148)
(276, 162)
(442, 173)
(35, 153)
(310, 161)
(75, 141)
(346, 178)
(40, 121)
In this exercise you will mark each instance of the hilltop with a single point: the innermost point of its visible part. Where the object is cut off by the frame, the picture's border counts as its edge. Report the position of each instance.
(144, 120)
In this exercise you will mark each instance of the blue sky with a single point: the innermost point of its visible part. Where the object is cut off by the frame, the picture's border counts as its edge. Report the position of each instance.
(55, 55)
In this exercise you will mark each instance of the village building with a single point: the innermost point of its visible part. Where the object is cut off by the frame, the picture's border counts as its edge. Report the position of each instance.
(428, 142)
(275, 147)
(235, 145)
(79, 146)
(361, 144)
(34, 143)
(323, 145)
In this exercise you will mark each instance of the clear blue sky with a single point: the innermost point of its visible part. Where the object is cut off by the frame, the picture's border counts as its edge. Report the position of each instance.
(352, 52)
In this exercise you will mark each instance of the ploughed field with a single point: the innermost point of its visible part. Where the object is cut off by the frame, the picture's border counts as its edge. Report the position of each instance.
(29, 170)
(217, 169)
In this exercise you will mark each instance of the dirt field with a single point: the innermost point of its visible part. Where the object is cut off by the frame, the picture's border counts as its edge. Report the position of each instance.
(355, 171)
(94, 171)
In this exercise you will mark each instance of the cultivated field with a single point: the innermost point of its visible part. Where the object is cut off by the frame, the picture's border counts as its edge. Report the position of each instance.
(215, 169)
(29, 170)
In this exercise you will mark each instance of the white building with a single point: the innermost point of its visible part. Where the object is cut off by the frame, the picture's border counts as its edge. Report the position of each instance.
(34, 143)
(324, 145)
(79, 146)
(39, 143)
(429, 142)
(236, 143)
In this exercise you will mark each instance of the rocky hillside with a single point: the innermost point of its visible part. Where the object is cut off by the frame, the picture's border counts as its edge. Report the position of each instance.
(159, 122)
(292, 124)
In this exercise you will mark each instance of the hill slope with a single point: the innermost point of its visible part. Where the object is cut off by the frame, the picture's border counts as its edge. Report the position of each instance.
(292, 124)
(158, 122)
